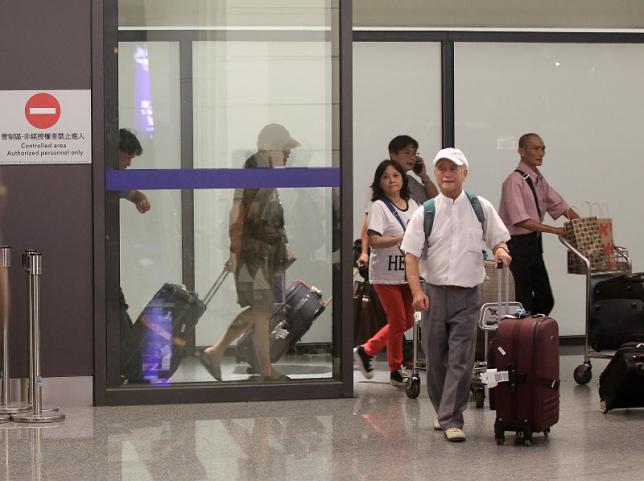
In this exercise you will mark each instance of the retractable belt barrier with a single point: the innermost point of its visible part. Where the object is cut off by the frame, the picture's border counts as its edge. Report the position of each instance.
(32, 262)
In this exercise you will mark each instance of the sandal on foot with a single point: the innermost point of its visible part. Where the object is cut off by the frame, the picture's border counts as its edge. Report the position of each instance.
(207, 362)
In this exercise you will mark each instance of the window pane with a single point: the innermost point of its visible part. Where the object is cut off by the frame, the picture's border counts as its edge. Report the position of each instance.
(211, 97)
(149, 105)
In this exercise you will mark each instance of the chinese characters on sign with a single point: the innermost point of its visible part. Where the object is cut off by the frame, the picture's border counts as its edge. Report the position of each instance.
(52, 127)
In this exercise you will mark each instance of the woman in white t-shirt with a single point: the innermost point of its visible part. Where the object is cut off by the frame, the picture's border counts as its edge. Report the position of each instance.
(391, 210)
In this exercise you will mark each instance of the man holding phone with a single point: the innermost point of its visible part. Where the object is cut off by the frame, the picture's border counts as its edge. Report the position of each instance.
(403, 149)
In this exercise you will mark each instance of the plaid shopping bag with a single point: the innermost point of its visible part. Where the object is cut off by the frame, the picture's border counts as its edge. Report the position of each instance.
(583, 233)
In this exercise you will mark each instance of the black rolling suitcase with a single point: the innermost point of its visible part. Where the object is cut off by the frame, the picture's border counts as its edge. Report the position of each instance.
(162, 331)
(289, 322)
(617, 313)
(627, 286)
(614, 322)
(621, 385)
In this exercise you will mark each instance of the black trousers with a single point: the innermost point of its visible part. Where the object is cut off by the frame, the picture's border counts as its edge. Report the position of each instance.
(530, 276)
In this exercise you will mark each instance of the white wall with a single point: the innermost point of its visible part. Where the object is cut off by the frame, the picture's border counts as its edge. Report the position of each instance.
(587, 103)
(499, 13)
(386, 13)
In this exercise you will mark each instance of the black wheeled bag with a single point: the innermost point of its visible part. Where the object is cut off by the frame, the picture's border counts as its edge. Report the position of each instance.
(613, 322)
(627, 286)
(621, 385)
(163, 331)
(617, 312)
(289, 322)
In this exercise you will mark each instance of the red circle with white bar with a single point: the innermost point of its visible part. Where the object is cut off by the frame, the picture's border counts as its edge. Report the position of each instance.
(42, 110)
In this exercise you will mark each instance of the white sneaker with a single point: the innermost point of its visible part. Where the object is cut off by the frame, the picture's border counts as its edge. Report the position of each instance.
(437, 425)
(455, 435)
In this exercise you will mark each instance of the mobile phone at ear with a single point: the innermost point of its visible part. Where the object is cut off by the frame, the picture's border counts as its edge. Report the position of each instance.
(418, 167)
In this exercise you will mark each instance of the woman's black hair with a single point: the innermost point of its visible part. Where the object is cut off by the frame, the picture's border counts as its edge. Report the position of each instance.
(377, 192)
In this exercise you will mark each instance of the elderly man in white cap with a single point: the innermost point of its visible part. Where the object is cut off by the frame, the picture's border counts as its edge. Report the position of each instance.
(447, 252)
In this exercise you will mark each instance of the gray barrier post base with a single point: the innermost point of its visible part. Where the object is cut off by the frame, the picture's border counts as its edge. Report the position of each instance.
(46, 416)
(14, 409)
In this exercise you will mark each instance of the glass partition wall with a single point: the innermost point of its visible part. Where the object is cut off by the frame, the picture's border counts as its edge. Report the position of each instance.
(223, 207)
(579, 90)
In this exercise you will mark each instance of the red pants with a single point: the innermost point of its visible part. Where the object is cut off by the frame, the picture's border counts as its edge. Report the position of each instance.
(396, 300)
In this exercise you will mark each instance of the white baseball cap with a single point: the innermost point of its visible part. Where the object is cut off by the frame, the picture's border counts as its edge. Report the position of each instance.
(453, 154)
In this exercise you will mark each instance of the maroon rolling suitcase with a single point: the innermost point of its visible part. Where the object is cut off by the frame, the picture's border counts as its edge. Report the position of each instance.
(528, 348)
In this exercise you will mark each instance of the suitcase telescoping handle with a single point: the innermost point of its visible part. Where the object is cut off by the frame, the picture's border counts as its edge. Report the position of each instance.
(503, 291)
(216, 285)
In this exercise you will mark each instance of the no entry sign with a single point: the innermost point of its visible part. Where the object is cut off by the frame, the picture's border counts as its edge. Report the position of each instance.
(45, 127)
(42, 110)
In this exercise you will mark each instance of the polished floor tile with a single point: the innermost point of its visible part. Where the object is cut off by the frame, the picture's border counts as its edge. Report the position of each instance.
(378, 435)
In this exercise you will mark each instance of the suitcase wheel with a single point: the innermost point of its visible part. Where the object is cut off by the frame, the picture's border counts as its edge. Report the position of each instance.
(582, 374)
(523, 437)
(412, 388)
(499, 440)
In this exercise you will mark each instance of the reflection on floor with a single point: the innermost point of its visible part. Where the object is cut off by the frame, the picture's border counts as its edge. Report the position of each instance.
(295, 367)
(378, 435)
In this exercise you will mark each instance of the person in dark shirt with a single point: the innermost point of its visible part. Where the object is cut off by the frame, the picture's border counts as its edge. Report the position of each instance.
(259, 255)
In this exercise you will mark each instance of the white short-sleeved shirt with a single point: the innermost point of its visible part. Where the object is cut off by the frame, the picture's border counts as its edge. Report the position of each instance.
(454, 256)
(387, 264)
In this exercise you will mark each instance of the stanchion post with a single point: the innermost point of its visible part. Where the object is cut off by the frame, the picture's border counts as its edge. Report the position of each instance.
(33, 262)
(7, 408)
(25, 265)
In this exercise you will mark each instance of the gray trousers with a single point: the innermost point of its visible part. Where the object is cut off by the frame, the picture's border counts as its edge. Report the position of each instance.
(449, 336)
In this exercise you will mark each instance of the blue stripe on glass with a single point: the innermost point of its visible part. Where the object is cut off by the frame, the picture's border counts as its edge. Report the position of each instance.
(149, 179)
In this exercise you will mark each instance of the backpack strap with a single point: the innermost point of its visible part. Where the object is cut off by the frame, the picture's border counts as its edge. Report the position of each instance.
(478, 210)
(428, 220)
(392, 208)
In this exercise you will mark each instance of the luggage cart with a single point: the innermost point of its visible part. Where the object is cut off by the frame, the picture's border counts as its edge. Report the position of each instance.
(615, 263)
(491, 314)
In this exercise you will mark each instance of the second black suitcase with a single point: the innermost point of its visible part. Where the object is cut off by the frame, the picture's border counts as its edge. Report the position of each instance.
(613, 322)
(289, 322)
(163, 331)
(628, 286)
(621, 385)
